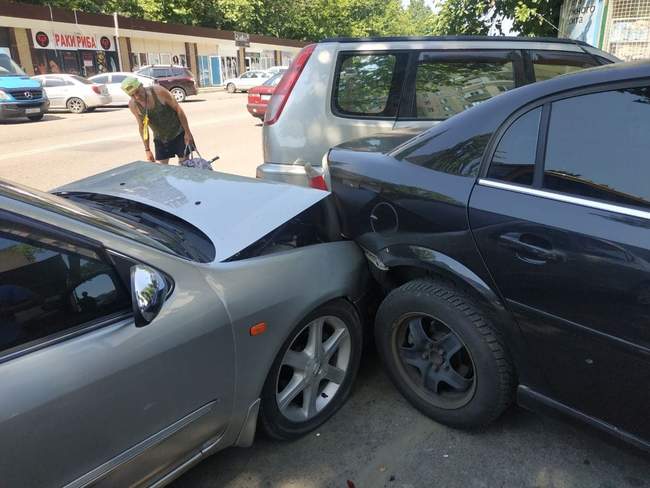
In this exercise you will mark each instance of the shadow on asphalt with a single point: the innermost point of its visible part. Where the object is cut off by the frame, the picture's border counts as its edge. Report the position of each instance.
(47, 118)
(378, 440)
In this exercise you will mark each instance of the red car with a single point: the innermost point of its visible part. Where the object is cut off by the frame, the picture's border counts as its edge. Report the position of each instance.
(259, 96)
(177, 79)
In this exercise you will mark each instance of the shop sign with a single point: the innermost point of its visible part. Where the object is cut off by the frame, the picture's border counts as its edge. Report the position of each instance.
(71, 41)
(581, 20)
(242, 39)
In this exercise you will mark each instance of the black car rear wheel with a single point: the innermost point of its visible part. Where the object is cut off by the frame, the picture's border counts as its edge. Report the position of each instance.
(313, 373)
(443, 355)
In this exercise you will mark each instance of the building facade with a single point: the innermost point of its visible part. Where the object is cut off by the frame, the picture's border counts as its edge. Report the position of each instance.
(620, 27)
(51, 40)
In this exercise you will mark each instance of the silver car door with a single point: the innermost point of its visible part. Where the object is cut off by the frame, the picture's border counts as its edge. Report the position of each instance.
(87, 397)
(56, 90)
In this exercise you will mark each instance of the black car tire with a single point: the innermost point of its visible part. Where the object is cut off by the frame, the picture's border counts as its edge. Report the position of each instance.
(231, 88)
(76, 105)
(272, 421)
(492, 371)
(36, 118)
(179, 94)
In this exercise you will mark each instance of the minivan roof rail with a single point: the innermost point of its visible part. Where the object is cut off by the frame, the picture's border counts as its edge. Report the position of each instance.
(453, 38)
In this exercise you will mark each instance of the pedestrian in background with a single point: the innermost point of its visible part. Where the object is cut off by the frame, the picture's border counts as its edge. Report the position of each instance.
(156, 108)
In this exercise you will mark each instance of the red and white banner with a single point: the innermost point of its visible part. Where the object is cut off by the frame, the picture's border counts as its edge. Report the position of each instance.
(71, 41)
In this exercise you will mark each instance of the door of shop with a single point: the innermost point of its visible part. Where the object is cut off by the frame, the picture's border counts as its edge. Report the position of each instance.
(204, 71)
(215, 70)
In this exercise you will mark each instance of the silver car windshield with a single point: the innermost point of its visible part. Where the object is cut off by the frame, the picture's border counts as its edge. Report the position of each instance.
(92, 216)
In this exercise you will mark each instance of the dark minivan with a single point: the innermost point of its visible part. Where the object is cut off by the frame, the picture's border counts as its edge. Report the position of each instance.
(513, 244)
(177, 79)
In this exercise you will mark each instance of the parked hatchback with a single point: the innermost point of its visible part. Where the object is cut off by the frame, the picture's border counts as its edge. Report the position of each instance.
(177, 79)
(153, 315)
(247, 80)
(342, 89)
(512, 243)
(74, 93)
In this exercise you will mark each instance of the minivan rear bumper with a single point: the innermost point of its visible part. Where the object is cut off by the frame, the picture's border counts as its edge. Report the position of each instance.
(286, 173)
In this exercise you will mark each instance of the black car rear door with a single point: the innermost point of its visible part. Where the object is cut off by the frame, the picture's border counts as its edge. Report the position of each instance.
(562, 218)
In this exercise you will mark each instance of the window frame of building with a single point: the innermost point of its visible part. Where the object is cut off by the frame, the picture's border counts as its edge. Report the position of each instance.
(62, 241)
(394, 92)
(408, 106)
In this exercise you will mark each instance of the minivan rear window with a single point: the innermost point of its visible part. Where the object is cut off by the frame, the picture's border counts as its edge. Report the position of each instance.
(368, 85)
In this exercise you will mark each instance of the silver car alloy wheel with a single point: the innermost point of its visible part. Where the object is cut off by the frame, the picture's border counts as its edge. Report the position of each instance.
(313, 368)
(76, 105)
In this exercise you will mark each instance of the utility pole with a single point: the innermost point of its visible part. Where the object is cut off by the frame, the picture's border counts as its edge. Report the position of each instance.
(117, 41)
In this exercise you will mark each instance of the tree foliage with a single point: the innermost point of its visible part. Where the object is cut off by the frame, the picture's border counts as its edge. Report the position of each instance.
(318, 19)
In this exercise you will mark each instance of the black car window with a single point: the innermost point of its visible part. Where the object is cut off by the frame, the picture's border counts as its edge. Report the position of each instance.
(368, 85)
(549, 64)
(446, 84)
(598, 146)
(48, 286)
(514, 158)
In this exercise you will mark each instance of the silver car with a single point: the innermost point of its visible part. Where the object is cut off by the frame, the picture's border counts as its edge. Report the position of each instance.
(344, 89)
(74, 93)
(152, 315)
(113, 82)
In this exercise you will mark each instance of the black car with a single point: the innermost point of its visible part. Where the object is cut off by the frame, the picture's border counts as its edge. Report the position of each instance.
(513, 244)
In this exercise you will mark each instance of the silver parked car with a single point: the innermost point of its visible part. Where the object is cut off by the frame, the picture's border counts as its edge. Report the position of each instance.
(74, 93)
(247, 80)
(113, 82)
(152, 315)
(344, 89)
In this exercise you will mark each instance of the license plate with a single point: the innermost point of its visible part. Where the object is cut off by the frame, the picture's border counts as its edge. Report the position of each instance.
(266, 97)
(29, 111)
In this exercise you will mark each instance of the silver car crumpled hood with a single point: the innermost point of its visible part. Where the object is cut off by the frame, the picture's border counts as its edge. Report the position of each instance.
(234, 211)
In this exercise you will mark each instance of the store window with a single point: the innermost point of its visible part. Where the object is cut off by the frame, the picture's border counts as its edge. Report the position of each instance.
(165, 59)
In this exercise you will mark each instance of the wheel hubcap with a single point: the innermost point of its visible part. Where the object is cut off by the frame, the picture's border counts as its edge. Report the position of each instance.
(313, 368)
(435, 361)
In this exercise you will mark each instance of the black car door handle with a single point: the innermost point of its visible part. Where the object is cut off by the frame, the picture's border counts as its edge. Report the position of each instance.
(531, 253)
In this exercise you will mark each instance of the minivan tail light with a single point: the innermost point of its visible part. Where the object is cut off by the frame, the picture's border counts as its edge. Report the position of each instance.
(284, 88)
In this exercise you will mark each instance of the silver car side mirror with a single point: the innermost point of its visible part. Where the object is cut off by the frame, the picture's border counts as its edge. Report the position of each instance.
(148, 293)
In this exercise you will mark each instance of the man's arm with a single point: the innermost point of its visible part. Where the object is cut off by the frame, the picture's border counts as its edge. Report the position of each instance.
(138, 117)
(168, 99)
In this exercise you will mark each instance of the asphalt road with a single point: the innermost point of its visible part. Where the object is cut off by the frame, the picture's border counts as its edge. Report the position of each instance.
(377, 439)
(64, 147)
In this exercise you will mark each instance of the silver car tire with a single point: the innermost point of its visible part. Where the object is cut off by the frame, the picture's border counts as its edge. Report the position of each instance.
(179, 94)
(312, 375)
(231, 88)
(76, 105)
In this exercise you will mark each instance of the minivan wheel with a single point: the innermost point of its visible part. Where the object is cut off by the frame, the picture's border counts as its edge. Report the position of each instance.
(443, 355)
(76, 105)
(179, 94)
(313, 373)
(231, 88)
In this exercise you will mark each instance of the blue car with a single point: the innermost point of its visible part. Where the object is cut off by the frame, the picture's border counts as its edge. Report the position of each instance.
(20, 96)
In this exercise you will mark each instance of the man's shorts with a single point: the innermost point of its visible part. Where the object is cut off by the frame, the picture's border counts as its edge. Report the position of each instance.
(169, 149)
